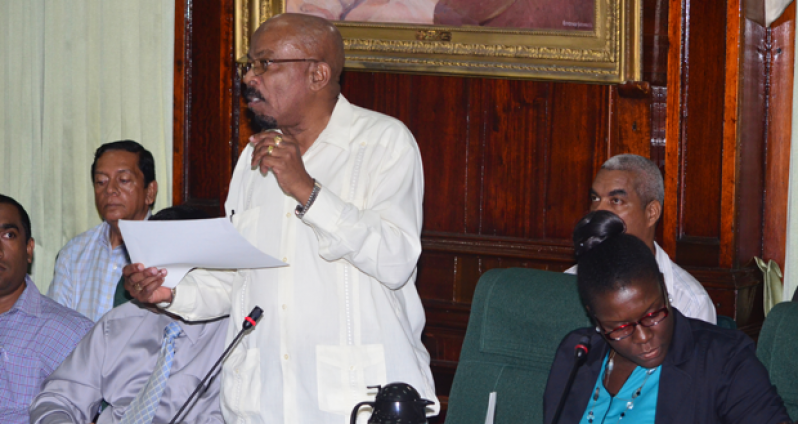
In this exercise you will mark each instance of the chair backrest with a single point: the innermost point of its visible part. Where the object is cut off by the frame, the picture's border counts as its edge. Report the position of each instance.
(777, 348)
(727, 322)
(518, 318)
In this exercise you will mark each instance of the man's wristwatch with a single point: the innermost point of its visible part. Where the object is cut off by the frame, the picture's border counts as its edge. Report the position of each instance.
(164, 305)
(302, 209)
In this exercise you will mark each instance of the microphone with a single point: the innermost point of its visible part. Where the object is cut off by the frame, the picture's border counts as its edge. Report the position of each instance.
(581, 349)
(249, 322)
(580, 356)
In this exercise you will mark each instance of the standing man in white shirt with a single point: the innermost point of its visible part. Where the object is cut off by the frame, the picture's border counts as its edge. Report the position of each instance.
(631, 186)
(337, 194)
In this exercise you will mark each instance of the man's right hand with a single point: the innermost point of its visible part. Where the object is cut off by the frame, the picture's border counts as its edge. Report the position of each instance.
(144, 284)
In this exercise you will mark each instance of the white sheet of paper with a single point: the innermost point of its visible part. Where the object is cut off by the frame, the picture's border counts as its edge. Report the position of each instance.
(179, 246)
(491, 408)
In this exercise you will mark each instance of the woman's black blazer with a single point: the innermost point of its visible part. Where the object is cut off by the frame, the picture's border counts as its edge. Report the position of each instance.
(710, 375)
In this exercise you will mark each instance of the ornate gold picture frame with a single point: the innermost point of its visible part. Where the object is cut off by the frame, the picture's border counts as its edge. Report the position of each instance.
(608, 51)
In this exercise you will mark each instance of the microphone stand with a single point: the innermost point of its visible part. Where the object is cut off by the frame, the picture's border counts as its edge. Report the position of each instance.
(580, 355)
(249, 322)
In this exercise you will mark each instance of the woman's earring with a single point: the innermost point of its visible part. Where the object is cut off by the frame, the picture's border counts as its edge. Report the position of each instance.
(598, 330)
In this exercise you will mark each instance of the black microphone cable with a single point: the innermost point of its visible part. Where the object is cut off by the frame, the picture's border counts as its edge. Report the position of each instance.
(249, 322)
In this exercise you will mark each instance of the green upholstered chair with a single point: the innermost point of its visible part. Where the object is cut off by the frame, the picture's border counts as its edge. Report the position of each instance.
(777, 348)
(518, 318)
(727, 322)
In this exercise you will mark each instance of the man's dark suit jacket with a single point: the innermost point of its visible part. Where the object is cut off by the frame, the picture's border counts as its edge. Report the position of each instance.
(710, 375)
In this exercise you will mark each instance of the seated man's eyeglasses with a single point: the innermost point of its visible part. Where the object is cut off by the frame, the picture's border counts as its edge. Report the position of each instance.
(649, 320)
(259, 66)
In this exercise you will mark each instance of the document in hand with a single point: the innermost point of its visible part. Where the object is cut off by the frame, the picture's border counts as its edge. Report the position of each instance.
(180, 246)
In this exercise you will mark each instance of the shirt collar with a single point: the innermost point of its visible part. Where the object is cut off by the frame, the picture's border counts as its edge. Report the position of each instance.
(194, 330)
(337, 130)
(106, 230)
(29, 301)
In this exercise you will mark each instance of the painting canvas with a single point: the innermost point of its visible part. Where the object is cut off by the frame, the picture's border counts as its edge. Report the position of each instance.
(520, 14)
(579, 40)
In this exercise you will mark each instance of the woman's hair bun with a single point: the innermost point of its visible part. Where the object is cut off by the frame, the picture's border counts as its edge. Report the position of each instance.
(594, 228)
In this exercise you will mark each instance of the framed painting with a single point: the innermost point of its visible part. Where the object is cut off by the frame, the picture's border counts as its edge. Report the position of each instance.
(596, 41)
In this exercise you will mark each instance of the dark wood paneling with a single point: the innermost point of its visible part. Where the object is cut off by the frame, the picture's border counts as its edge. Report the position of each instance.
(513, 114)
(779, 129)
(580, 140)
(702, 120)
(715, 152)
(204, 127)
(181, 97)
(442, 129)
(655, 42)
(750, 158)
(674, 101)
(500, 154)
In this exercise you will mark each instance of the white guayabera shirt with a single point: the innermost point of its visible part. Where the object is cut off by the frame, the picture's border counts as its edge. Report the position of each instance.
(345, 314)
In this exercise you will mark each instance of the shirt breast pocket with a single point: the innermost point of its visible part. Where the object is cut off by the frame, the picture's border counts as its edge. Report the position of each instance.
(25, 375)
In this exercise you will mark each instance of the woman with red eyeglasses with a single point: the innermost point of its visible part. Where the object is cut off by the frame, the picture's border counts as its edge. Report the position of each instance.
(648, 363)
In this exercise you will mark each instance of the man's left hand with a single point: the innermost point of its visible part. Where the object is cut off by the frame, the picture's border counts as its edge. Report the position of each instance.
(280, 153)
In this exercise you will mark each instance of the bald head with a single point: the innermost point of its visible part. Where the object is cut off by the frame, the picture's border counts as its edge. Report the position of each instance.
(315, 36)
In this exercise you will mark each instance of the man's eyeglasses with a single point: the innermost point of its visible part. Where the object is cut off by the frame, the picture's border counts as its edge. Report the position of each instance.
(626, 330)
(259, 66)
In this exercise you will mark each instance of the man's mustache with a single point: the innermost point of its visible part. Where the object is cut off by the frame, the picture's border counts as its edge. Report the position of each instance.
(251, 94)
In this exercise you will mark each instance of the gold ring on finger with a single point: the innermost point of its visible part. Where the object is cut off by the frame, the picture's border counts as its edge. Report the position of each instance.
(138, 287)
(269, 150)
(277, 140)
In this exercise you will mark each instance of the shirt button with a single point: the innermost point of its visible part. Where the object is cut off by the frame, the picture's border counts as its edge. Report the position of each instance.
(116, 267)
(285, 306)
(285, 356)
(288, 215)
(285, 259)
(352, 368)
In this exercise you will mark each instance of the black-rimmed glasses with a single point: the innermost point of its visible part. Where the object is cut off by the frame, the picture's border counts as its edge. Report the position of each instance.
(259, 66)
(649, 320)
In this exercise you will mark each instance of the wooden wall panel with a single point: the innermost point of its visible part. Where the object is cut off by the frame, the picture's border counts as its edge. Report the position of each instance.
(442, 133)
(715, 151)
(702, 118)
(751, 142)
(498, 154)
(779, 129)
(656, 42)
(578, 148)
(204, 127)
(511, 154)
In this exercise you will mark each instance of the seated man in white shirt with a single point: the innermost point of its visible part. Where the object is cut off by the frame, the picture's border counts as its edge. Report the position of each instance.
(631, 186)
